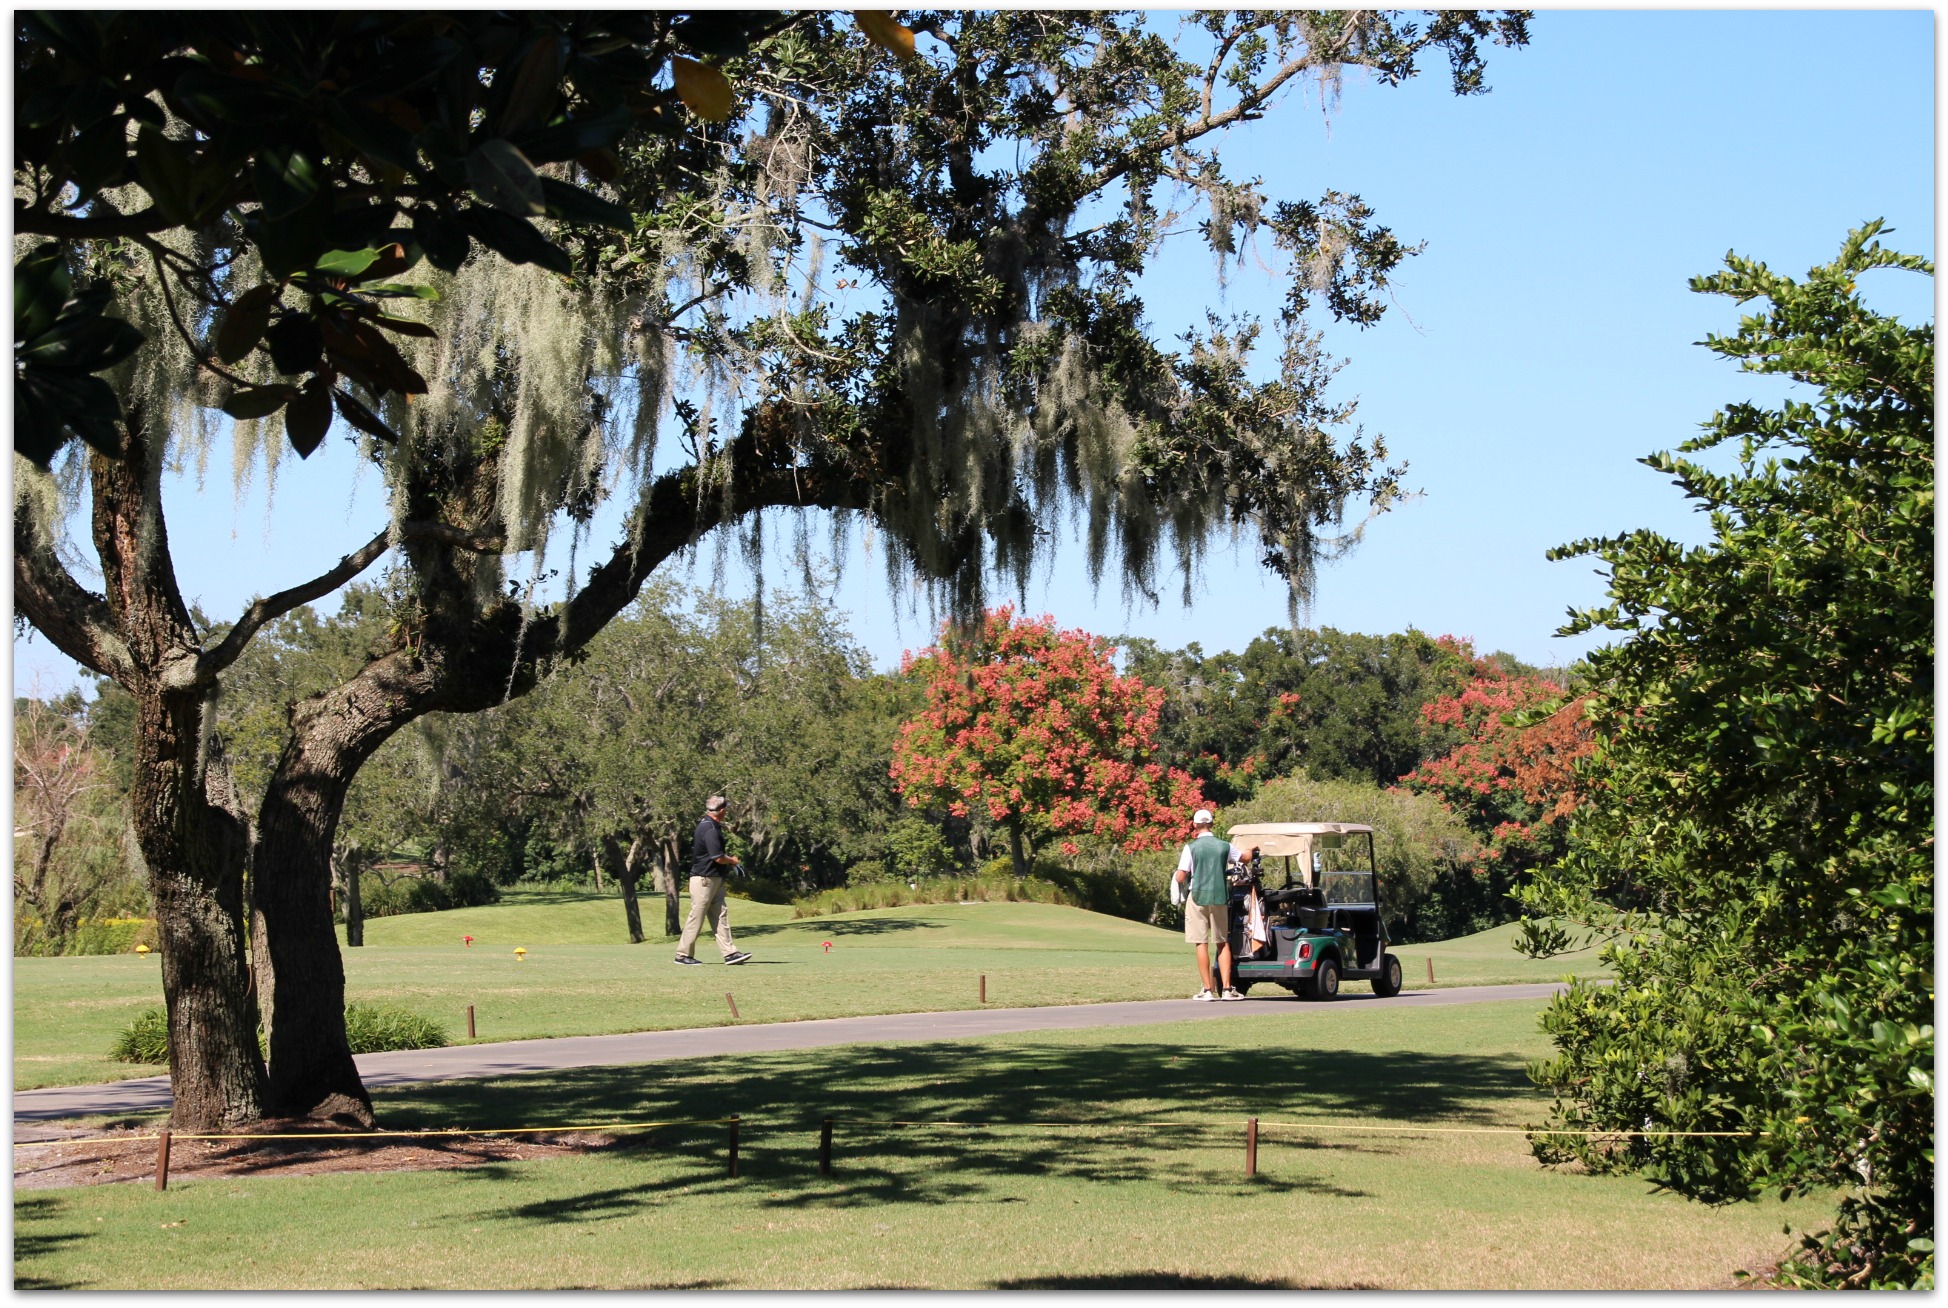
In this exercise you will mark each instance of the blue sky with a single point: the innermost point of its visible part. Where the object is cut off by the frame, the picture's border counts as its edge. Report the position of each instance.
(1540, 345)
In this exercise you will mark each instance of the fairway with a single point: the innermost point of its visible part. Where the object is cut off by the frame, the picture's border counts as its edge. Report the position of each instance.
(1145, 1190)
(575, 981)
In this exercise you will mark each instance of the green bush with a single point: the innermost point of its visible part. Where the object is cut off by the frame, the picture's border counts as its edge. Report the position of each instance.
(375, 1028)
(985, 888)
(145, 1040)
(412, 894)
(370, 1028)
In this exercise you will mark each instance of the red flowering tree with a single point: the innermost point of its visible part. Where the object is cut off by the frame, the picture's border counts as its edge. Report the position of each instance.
(1035, 728)
(1510, 769)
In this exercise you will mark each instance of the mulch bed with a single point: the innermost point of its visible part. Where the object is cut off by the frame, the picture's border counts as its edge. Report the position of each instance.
(110, 1160)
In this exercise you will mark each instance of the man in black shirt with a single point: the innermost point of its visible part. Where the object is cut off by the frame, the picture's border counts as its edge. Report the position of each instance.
(708, 864)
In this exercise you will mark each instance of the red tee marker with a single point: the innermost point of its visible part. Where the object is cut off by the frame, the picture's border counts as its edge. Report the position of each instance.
(827, 944)
(468, 940)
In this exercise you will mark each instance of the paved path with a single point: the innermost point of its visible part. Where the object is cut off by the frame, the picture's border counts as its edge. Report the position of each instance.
(457, 1062)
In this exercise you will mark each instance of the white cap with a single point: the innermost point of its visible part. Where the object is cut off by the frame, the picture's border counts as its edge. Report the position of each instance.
(1201, 818)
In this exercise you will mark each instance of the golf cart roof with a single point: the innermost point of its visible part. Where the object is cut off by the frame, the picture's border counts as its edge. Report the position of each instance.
(1277, 838)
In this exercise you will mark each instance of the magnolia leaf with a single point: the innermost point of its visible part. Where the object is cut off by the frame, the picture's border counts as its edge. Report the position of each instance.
(258, 401)
(309, 417)
(702, 88)
(502, 176)
(244, 324)
(347, 263)
(882, 31)
(406, 327)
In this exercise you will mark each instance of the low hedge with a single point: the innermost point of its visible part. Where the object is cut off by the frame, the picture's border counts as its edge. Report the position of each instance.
(986, 888)
(370, 1028)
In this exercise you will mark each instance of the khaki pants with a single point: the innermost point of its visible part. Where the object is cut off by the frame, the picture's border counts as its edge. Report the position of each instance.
(706, 902)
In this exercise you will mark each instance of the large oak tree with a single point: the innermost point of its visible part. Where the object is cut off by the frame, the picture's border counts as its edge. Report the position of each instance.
(994, 200)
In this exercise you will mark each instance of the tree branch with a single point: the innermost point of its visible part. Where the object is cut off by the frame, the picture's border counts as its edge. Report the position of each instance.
(76, 620)
(276, 606)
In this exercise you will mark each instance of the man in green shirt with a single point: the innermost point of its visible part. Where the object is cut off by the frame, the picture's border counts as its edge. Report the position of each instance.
(1207, 907)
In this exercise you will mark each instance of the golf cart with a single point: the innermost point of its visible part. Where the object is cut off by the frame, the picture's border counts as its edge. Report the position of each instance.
(1319, 886)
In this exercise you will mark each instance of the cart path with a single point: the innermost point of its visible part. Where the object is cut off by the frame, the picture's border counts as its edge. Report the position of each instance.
(510, 1058)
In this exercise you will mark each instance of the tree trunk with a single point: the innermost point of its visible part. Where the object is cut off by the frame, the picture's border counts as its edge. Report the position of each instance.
(354, 906)
(626, 871)
(1014, 845)
(300, 975)
(667, 873)
(194, 851)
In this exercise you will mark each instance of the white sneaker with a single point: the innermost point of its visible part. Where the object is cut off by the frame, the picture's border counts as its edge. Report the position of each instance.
(1204, 997)
(1230, 994)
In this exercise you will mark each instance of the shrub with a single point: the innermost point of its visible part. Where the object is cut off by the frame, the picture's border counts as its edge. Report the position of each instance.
(985, 888)
(375, 1028)
(145, 1040)
(370, 1028)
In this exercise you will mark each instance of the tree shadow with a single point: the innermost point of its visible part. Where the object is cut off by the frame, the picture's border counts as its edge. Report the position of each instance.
(1025, 1091)
(30, 1244)
(817, 927)
(1165, 1281)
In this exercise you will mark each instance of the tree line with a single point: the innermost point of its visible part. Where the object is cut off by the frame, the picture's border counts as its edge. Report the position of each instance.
(596, 778)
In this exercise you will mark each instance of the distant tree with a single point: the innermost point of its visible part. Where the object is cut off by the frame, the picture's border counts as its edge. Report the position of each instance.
(1036, 728)
(69, 857)
(1330, 703)
(1511, 773)
(1758, 840)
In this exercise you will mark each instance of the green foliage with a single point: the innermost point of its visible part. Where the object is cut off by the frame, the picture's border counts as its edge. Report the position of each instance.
(990, 887)
(91, 935)
(381, 896)
(375, 1028)
(1759, 844)
(1416, 837)
(340, 148)
(1331, 703)
(371, 1029)
(144, 1040)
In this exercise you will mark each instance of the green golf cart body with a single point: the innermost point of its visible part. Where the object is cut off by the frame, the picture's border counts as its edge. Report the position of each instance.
(1319, 884)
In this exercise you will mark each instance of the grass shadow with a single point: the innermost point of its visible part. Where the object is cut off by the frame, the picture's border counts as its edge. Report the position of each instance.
(783, 1097)
(30, 1245)
(1163, 1281)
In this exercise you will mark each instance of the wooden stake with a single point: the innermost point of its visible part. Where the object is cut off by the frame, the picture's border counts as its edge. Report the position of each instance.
(1430, 970)
(470, 1021)
(825, 1148)
(733, 1146)
(733, 1006)
(162, 1161)
(984, 987)
(1251, 1146)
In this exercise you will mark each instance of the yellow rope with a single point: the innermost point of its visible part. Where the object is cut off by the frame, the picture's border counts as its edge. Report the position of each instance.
(384, 1135)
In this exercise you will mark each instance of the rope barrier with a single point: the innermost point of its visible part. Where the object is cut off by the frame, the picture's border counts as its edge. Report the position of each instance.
(329, 1136)
(384, 1135)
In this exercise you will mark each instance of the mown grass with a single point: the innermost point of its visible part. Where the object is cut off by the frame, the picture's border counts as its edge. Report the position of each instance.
(1116, 1201)
(576, 981)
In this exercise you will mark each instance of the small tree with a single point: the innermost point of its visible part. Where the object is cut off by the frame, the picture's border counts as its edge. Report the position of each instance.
(1759, 840)
(1035, 728)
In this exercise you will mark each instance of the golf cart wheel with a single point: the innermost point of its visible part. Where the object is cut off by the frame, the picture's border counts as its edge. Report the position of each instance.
(1325, 981)
(1387, 984)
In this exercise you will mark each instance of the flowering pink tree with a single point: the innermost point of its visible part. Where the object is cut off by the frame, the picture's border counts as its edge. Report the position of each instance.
(1035, 728)
(1515, 785)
